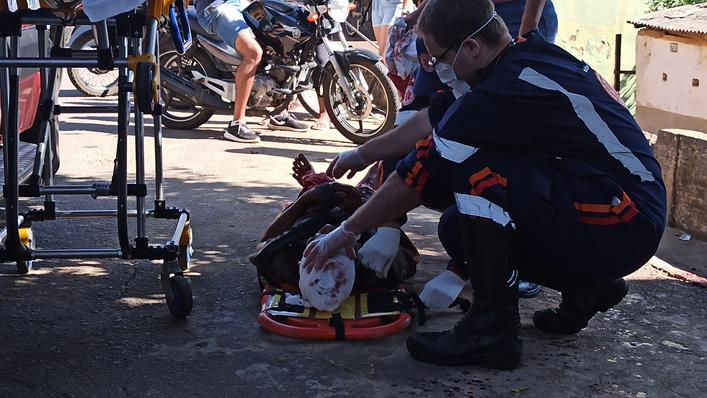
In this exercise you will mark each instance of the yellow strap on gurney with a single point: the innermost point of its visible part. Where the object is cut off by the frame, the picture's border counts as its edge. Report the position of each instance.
(353, 308)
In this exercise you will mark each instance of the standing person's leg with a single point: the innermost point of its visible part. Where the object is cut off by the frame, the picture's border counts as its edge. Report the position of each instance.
(248, 46)
(383, 15)
(226, 20)
(322, 121)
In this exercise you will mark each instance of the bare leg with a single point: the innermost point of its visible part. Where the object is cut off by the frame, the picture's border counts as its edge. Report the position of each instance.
(247, 46)
(322, 121)
(381, 33)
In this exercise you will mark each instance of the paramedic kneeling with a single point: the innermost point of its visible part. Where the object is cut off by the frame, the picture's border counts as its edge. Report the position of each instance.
(554, 180)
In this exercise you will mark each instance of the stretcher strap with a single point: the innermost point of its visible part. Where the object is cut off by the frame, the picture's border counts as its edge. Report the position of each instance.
(338, 324)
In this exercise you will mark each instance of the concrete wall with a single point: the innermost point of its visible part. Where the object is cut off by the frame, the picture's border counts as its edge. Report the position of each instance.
(682, 155)
(587, 30)
(671, 80)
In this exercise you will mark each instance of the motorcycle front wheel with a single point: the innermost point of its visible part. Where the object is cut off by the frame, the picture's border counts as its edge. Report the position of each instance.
(376, 101)
(178, 113)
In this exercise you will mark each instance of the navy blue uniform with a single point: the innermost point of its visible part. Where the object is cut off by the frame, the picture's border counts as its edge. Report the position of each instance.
(544, 144)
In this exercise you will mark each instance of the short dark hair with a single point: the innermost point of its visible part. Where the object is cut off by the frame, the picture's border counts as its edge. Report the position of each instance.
(451, 21)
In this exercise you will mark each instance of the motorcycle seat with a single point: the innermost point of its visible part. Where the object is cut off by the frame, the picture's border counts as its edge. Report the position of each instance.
(197, 28)
(222, 51)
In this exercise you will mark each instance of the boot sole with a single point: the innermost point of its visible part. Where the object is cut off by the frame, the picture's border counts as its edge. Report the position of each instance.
(493, 361)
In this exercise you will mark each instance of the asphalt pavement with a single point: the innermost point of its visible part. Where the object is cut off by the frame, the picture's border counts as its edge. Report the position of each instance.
(100, 328)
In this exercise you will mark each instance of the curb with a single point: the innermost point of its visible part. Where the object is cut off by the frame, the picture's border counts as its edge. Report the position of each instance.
(677, 273)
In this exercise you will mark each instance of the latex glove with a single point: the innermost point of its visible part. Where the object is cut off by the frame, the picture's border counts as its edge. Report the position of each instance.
(318, 251)
(441, 291)
(379, 251)
(350, 161)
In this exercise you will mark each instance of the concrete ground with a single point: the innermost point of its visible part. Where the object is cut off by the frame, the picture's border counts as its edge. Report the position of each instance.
(101, 328)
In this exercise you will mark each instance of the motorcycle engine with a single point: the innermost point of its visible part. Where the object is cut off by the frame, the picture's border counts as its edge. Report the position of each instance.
(262, 94)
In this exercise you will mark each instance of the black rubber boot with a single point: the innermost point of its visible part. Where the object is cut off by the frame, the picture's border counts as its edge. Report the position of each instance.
(489, 333)
(579, 305)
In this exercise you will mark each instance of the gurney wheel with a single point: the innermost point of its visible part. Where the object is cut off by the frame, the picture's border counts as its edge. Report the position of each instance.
(179, 298)
(144, 87)
(185, 247)
(27, 239)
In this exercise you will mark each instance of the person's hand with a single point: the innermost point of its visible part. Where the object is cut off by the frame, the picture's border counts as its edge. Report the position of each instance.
(351, 161)
(323, 247)
(379, 251)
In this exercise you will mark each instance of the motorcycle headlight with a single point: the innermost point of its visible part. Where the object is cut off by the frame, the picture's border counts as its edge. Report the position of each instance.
(339, 10)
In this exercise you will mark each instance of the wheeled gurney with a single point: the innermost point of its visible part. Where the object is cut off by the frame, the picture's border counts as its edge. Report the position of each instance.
(134, 52)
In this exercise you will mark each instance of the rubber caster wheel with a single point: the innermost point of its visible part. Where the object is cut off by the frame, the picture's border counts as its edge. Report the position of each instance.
(179, 297)
(185, 247)
(145, 88)
(27, 239)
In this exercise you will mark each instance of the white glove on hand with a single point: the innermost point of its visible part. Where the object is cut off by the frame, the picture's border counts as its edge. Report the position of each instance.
(441, 291)
(350, 161)
(378, 253)
(320, 250)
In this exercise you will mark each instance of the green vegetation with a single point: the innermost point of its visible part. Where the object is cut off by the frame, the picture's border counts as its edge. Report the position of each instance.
(655, 5)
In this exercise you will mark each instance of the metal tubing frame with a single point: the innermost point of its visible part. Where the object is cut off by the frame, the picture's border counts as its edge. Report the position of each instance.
(28, 62)
(121, 174)
(11, 154)
(139, 159)
(4, 94)
(79, 253)
(71, 190)
(83, 214)
(157, 133)
(50, 92)
(50, 72)
(181, 223)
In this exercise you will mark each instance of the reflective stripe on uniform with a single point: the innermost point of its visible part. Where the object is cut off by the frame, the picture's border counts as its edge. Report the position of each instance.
(452, 150)
(479, 207)
(585, 111)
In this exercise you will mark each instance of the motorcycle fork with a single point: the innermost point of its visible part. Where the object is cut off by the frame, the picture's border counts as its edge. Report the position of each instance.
(343, 81)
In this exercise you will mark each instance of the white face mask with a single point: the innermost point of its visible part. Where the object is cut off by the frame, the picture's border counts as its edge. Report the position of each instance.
(449, 77)
(446, 72)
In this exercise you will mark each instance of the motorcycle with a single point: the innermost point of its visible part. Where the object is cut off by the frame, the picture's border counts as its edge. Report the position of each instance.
(92, 82)
(360, 99)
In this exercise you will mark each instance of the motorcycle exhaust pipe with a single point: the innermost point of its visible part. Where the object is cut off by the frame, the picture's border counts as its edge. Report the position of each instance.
(186, 90)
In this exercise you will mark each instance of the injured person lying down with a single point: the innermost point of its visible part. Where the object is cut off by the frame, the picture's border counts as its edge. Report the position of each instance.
(383, 257)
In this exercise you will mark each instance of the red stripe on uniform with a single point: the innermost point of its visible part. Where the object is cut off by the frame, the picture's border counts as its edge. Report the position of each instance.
(478, 176)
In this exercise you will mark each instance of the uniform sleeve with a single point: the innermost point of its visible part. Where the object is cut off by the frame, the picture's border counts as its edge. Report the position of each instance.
(427, 173)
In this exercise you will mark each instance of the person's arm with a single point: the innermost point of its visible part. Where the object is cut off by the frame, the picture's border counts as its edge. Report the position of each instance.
(400, 141)
(390, 146)
(531, 16)
(389, 203)
(411, 18)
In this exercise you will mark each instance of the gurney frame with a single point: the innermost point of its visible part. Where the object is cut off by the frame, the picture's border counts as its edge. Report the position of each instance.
(135, 53)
